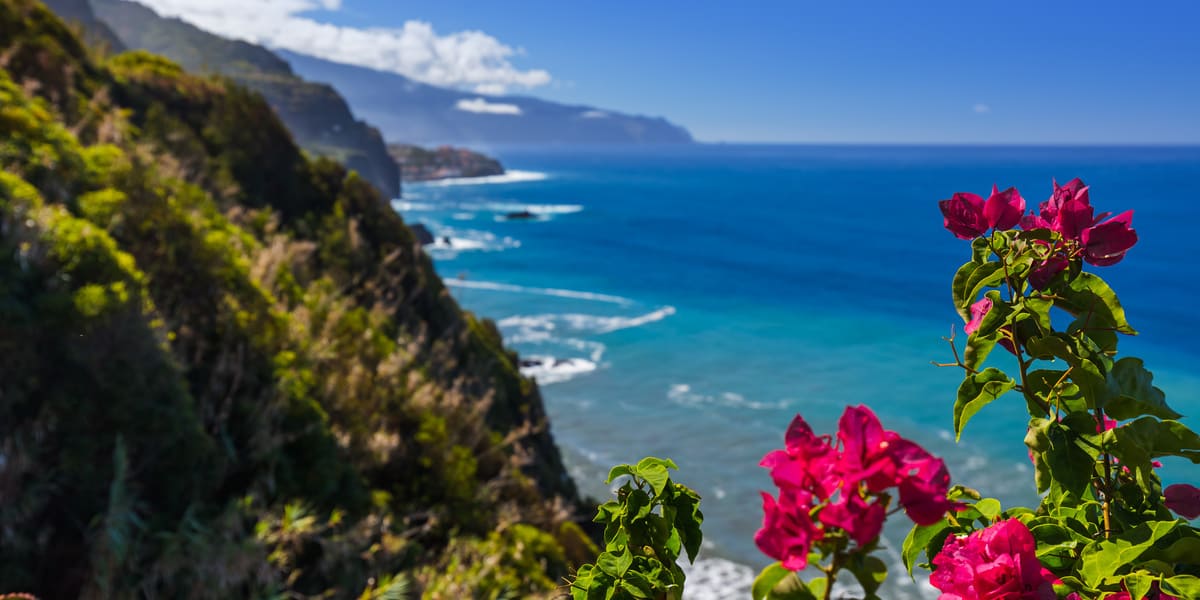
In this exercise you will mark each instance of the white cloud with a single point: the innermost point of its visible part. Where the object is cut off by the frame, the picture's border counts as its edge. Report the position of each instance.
(465, 59)
(479, 105)
(981, 108)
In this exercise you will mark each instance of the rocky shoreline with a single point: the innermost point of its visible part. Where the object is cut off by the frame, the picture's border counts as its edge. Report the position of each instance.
(444, 162)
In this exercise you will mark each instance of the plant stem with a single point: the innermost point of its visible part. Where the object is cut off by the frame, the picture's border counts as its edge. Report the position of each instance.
(1107, 475)
(830, 575)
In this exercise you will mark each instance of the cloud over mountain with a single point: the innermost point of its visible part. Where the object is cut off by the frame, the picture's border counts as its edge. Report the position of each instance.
(470, 60)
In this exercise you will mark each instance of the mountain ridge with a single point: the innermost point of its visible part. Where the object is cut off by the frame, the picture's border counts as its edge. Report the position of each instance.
(409, 111)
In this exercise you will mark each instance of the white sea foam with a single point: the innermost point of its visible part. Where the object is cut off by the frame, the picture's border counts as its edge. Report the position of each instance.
(467, 240)
(683, 395)
(520, 289)
(717, 579)
(512, 176)
(548, 369)
(406, 206)
(587, 323)
(462, 216)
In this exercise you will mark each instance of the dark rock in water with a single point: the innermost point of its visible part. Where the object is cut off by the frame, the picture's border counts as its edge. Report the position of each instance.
(520, 215)
(530, 362)
(446, 240)
(422, 233)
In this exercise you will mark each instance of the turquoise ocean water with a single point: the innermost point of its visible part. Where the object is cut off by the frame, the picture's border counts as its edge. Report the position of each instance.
(688, 302)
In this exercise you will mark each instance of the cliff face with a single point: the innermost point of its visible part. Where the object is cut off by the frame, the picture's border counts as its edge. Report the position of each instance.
(229, 371)
(315, 113)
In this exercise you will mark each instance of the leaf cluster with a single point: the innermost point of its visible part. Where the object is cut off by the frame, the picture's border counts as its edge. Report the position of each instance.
(646, 528)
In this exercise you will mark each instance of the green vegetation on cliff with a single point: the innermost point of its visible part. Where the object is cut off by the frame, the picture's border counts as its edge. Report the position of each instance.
(229, 371)
(315, 113)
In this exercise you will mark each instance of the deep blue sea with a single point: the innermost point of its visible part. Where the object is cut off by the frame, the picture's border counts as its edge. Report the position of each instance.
(687, 302)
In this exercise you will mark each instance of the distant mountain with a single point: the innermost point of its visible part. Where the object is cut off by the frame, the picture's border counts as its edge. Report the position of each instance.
(413, 112)
(317, 116)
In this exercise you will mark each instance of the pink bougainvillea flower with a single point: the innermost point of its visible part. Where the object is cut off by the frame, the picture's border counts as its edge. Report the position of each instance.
(806, 462)
(862, 521)
(963, 215)
(923, 491)
(996, 563)
(979, 310)
(1041, 274)
(882, 459)
(864, 450)
(1106, 244)
(1050, 212)
(788, 532)
(1183, 499)
(1003, 209)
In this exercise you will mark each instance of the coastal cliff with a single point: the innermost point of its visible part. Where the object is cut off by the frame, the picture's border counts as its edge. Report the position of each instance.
(315, 113)
(227, 370)
(424, 164)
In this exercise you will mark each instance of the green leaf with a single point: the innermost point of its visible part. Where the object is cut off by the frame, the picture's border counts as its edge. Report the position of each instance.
(618, 471)
(1163, 438)
(817, 587)
(1138, 584)
(986, 275)
(918, 539)
(767, 580)
(870, 572)
(1182, 586)
(1044, 384)
(654, 471)
(977, 391)
(1132, 392)
(777, 583)
(1087, 362)
(1089, 297)
(688, 519)
(1105, 558)
(1038, 441)
(981, 249)
(1069, 464)
(989, 508)
(615, 564)
(638, 505)
(634, 590)
(959, 289)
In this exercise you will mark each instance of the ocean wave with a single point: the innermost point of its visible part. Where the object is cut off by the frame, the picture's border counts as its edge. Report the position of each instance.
(585, 323)
(512, 176)
(507, 211)
(406, 206)
(448, 242)
(717, 579)
(683, 395)
(462, 216)
(520, 289)
(548, 369)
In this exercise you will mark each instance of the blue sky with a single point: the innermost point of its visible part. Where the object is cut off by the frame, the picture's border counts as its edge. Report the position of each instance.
(893, 72)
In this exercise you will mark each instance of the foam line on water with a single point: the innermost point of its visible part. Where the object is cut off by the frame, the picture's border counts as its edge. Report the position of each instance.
(520, 289)
(583, 322)
(548, 369)
(512, 176)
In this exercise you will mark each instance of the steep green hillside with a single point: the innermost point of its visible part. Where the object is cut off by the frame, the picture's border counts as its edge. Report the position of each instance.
(227, 371)
(316, 114)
